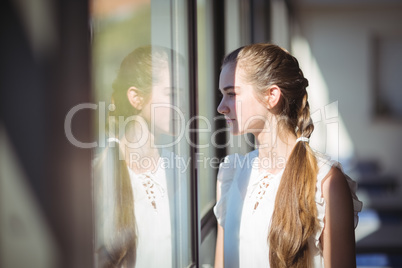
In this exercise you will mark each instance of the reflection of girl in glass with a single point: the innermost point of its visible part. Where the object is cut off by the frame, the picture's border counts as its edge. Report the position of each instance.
(282, 205)
(132, 192)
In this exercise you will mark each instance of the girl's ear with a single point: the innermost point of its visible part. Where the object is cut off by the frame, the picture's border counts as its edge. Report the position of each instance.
(136, 100)
(273, 96)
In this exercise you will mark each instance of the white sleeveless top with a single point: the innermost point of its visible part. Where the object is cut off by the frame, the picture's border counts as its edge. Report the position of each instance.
(160, 207)
(246, 206)
(152, 213)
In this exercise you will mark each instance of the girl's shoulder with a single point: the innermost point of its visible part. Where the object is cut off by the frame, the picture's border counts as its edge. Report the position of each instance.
(331, 177)
(324, 164)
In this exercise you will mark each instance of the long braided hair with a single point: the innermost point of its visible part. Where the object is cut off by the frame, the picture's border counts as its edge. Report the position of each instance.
(294, 219)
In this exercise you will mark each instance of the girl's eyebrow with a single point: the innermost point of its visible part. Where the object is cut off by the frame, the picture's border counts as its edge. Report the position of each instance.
(229, 87)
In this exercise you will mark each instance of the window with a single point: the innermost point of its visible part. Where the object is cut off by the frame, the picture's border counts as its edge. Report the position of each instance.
(190, 37)
(143, 169)
(387, 80)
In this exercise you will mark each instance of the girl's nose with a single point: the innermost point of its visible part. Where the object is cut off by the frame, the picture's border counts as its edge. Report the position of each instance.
(222, 108)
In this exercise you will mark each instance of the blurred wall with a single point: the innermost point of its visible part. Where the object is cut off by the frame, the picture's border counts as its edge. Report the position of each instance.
(339, 42)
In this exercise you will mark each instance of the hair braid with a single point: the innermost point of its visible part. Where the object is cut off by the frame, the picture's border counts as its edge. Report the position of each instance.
(299, 180)
(305, 125)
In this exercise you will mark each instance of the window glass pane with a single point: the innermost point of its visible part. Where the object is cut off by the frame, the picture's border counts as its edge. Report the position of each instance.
(236, 36)
(388, 63)
(141, 166)
(208, 163)
(207, 250)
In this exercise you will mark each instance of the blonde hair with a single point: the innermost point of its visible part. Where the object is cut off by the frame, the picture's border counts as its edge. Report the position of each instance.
(294, 219)
(115, 218)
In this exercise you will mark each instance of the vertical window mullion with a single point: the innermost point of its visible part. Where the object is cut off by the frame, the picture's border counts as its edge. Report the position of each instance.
(192, 48)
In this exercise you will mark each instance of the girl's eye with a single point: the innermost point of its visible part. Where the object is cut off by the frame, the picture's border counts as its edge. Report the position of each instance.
(230, 94)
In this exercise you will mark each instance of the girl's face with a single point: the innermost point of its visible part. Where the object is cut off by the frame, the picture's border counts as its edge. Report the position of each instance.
(158, 110)
(243, 111)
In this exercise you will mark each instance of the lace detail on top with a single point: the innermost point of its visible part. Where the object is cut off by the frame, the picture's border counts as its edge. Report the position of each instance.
(260, 186)
(152, 188)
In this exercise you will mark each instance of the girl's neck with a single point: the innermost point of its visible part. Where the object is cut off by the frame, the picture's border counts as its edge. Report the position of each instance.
(139, 150)
(273, 148)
